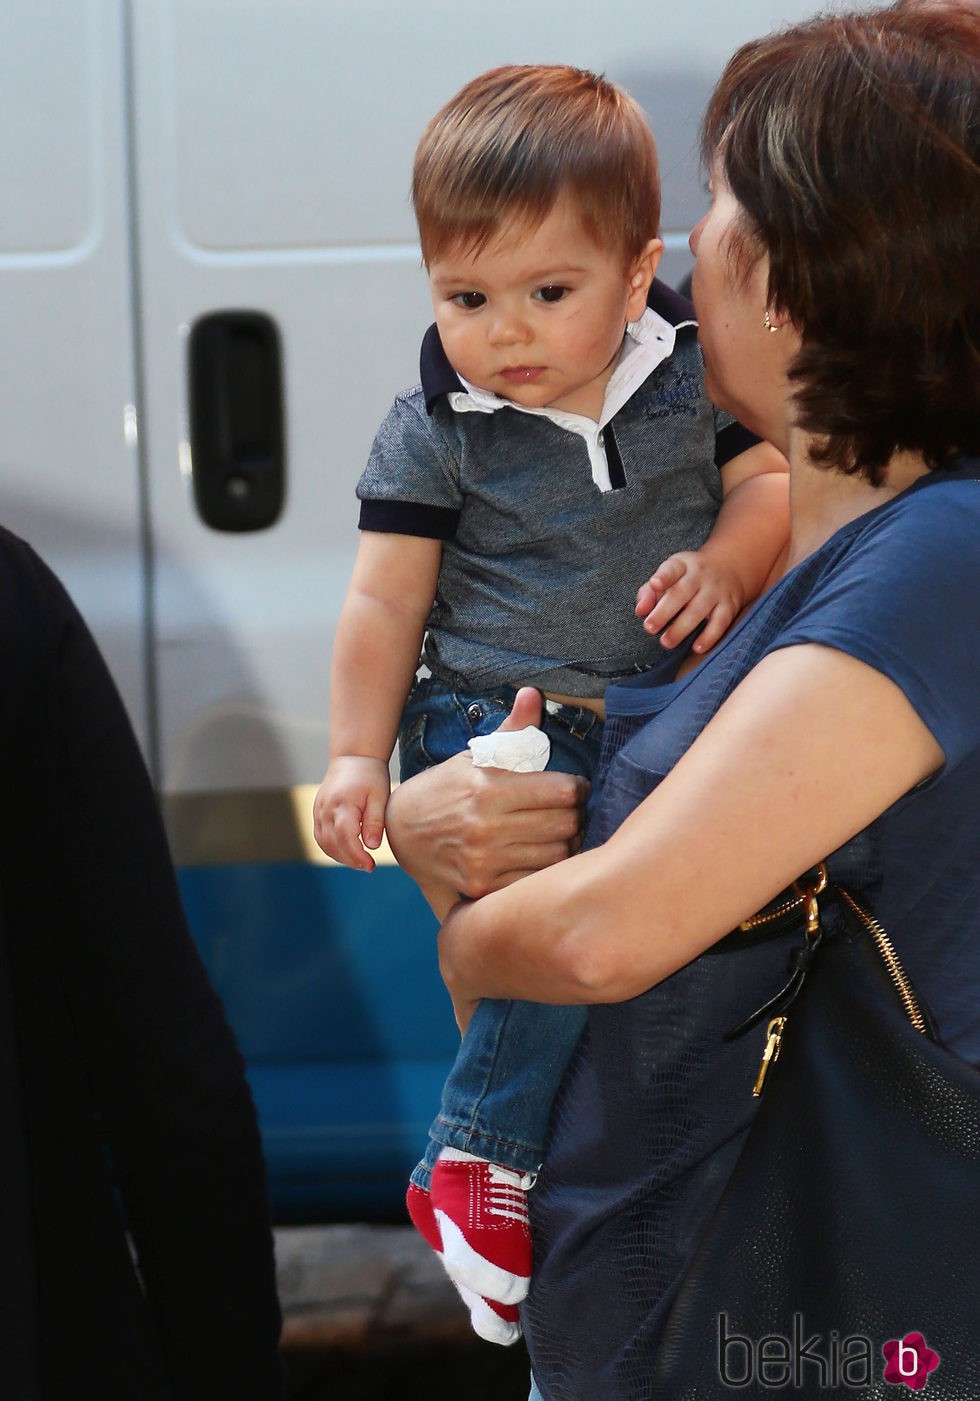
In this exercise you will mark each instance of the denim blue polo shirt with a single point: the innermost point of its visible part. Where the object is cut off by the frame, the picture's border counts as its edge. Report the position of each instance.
(543, 552)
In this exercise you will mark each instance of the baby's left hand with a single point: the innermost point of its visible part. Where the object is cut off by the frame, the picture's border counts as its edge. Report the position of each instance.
(687, 589)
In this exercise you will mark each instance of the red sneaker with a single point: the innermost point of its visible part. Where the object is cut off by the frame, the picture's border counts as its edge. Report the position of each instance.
(422, 1217)
(481, 1209)
(496, 1323)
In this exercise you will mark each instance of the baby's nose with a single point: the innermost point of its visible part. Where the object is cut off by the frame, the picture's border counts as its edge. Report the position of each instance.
(507, 328)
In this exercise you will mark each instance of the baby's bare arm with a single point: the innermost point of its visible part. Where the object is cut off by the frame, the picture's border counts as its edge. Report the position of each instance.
(374, 659)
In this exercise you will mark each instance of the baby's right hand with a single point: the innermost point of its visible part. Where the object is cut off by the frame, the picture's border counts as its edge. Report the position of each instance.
(349, 809)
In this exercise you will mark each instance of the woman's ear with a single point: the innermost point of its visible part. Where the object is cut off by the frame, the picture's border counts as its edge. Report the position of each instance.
(642, 271)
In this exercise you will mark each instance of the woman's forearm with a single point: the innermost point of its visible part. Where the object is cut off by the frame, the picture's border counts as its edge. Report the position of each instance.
(520, 942)
(806, 753)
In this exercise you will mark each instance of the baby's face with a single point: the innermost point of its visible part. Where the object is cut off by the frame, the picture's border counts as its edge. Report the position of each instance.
(538, 316)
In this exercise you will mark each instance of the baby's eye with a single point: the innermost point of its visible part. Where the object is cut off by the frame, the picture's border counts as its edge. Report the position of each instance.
(551, 293)
(469, 300)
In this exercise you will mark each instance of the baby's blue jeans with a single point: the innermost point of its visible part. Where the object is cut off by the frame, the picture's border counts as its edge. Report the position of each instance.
(497, 1100)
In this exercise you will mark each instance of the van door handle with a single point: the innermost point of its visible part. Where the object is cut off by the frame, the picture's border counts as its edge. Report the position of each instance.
(236, 420)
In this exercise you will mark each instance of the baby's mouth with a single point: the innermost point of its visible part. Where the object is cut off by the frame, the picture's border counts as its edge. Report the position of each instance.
(521, 374)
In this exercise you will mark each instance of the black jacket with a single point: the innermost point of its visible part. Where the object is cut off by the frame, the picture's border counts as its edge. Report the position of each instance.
(114, 1054)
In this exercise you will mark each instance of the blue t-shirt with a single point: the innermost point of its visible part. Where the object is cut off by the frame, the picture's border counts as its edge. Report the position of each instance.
(654, 1107)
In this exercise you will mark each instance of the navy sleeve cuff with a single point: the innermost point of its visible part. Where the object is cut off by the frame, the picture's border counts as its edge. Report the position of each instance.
(409, 518)
(731, 441)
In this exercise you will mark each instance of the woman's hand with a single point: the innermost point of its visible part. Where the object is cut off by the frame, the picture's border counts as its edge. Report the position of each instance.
(461, 831)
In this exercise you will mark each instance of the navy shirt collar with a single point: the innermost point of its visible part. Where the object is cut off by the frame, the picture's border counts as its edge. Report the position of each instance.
(438, 376)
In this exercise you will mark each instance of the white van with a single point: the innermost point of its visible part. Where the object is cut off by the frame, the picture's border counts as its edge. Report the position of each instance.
(209, 293)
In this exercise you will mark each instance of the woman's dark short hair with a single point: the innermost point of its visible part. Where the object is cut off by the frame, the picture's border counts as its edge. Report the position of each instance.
(852, 143)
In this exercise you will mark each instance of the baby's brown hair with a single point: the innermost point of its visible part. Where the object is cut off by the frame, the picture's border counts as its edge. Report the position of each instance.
(515, 139)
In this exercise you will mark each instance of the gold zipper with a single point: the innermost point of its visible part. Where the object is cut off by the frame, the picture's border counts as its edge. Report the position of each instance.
(774, 1044)
(777, 912)
(801, 900)
(806, 897)
(892, 962)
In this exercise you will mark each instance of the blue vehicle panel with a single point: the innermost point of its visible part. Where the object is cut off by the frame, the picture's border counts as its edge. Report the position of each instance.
(330, 981)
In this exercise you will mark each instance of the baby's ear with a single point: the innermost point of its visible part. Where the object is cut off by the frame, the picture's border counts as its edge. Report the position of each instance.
(642, 272)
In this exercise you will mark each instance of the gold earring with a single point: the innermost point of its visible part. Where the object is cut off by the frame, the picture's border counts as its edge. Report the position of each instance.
(769, 325)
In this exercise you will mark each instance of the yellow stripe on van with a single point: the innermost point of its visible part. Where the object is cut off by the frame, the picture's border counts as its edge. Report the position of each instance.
(247, 825)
